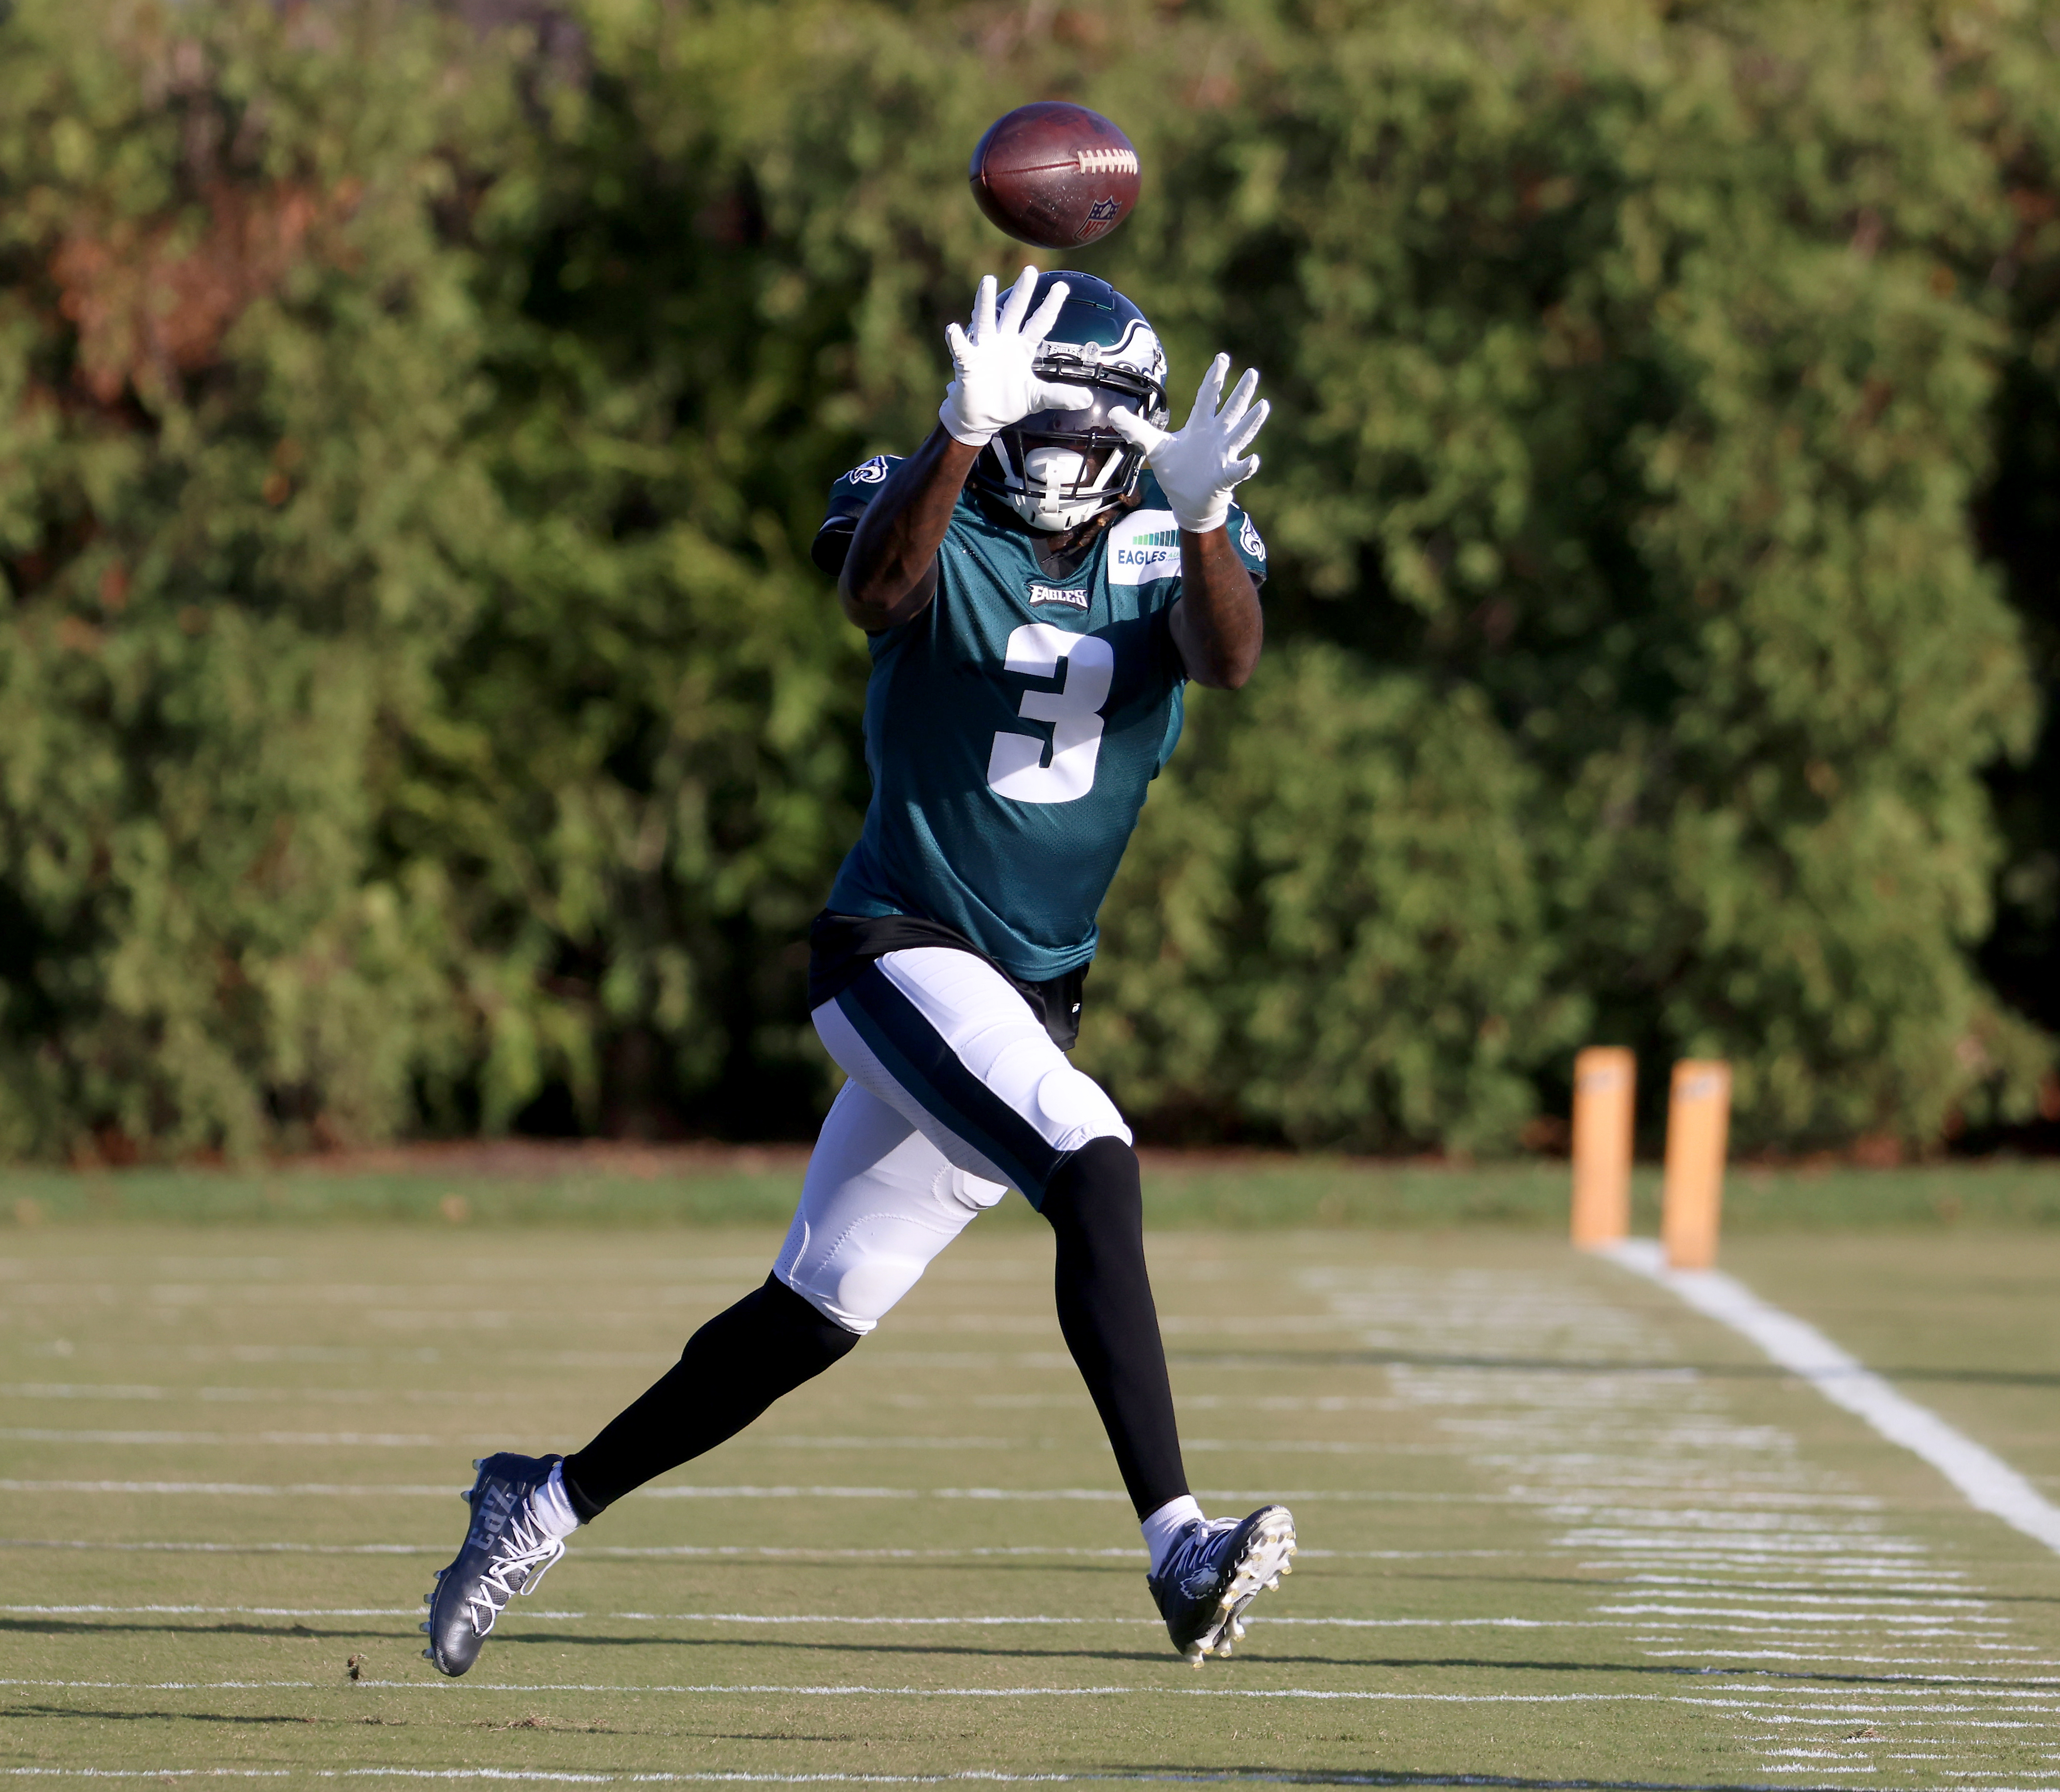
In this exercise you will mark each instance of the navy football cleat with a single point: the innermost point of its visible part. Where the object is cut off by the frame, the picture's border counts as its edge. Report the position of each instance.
(505, 1552)
(1216, 1569)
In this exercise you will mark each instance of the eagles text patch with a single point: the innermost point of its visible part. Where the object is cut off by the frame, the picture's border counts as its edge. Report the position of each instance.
(1074, 599)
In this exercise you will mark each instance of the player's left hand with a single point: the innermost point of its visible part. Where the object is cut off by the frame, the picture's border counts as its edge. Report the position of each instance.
(1199, 464)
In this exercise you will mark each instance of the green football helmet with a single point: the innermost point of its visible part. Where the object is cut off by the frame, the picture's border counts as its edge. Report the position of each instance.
(1057, 469)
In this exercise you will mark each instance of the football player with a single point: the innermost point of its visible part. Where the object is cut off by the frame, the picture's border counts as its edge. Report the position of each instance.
(1036, 582)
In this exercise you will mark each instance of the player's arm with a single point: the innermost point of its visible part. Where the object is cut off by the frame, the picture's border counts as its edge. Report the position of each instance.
(1217, 623)
(890, 574)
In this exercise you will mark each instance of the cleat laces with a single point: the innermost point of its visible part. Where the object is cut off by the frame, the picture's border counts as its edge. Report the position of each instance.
(522, 1554)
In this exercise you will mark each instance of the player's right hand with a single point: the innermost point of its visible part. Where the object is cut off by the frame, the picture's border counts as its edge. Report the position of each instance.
(996, 385)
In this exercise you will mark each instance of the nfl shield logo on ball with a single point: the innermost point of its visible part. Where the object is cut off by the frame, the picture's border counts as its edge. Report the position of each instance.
(1102, 218)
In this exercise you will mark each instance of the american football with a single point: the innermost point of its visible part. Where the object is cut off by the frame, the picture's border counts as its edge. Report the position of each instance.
(1055, 174)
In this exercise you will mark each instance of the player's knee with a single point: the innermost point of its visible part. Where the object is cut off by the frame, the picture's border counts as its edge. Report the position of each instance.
(779, 1326)
(819, 1338)
(1076, 1111)
(1098, 1194)
(856, 1294)
(854, 1311)
(854, 1277)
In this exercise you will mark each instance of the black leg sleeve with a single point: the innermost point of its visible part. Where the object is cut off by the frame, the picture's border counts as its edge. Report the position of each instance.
(1096, 1207)
(732, 1370)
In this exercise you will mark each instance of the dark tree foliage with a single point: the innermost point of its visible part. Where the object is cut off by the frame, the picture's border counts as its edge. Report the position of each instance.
(239, 502)
(418, 712)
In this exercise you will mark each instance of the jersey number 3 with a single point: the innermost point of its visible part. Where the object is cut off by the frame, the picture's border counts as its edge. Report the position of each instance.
(1016, 768)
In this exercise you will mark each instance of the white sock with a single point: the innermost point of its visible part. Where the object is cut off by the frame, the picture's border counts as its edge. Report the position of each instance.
(552, 1506)
(1165, 1524)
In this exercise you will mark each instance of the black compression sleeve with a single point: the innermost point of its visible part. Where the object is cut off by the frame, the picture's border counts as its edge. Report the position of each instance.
(732, 1370)
(1096, 1207)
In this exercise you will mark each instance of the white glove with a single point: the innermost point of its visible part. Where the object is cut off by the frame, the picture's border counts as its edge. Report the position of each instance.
(1198, 466)
(995, 386)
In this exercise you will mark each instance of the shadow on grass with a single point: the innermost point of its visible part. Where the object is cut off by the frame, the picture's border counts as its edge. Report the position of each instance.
(1584, 1365)
(1224, 1776)
(1249, 1657)
(1264, 1776)
(1154, 1657)
(68, 1627)
(949, 1650)
(149, 1717)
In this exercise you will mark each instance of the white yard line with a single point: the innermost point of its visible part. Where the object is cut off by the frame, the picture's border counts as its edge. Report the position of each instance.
(213, 1489)
(1115, 1496)
(231, 1611)
(448, 1689)
(771, 1552)
(1989, 1483)
(862, 1618)
(183, 1547)
(980, 1775)
(242, 1440)
(1742, 1555)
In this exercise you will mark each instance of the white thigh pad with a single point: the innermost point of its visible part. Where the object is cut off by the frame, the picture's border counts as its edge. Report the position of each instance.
(879, 1202)
(1074, 1108)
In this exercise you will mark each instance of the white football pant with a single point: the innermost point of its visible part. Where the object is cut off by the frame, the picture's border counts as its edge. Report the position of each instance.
(956, 1095)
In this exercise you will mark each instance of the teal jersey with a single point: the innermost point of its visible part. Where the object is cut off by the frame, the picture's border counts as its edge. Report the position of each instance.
(1012, 730)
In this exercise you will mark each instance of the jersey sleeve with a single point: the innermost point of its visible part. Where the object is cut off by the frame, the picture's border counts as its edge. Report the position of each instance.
(1250, 548)
(848, 497)
(1161, 534)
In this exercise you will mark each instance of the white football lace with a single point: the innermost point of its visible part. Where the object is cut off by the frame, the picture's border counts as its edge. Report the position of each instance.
(1107, 161)
(522, 1548)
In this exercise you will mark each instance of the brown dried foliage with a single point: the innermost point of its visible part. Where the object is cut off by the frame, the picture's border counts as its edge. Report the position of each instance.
(149, 303)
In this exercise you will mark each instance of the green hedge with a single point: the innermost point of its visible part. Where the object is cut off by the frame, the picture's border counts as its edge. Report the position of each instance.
(1206, 1189)
(417, 712)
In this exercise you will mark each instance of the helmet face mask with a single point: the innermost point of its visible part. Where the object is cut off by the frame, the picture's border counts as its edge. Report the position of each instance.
(1067, 480)
(1058, 469)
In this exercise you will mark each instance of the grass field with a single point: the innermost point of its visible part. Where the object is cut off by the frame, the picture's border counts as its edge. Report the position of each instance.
(1557, 1528)
(609, 1184)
